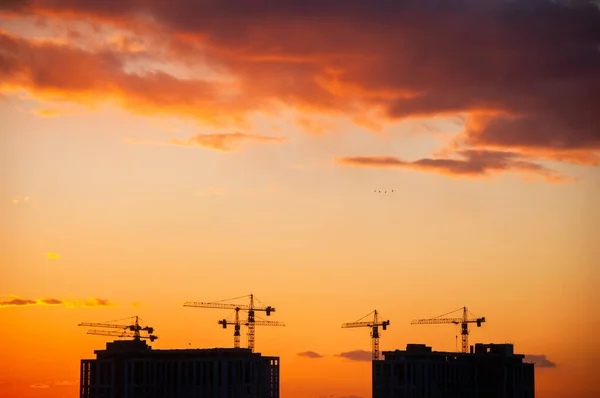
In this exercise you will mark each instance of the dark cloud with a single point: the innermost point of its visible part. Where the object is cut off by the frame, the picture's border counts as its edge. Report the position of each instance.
(357, 355)
(16, 302)
(540, 361)
(309, 354)
(96, 302)
(469, 163)
(529, 78)
(51, 301)
(564, 136)
(89, 303)
(39, 385)
(14, 5)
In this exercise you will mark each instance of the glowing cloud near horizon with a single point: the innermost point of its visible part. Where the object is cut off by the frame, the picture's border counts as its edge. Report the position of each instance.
(15, 301)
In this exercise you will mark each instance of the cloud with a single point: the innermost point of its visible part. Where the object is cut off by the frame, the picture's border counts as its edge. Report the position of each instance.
(314, 126)
(528, 81)
(66, 383)
(310, 354)
(222, 142)
(17, 302)
(51, 301)
(39, 385)
(49, 112)
(469, 163)
(53, 256)
(102, 76)
(540, 361)
(357, 355)
(97, 302)
(549, 138)
(341, 396)
(19, 199)
(89, 303)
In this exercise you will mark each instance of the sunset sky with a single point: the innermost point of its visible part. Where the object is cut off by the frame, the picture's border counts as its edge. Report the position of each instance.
(157, 152)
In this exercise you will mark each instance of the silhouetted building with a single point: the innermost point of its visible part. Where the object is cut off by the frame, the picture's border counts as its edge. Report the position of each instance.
(488, 371)
(132, 369)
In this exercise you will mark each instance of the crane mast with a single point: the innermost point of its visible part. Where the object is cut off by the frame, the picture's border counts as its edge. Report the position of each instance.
(236, 331)
(462, 321)
(374, 330)
(251, 328)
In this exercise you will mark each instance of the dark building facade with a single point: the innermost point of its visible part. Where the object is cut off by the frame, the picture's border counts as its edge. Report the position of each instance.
(132, 369)
(488, 371)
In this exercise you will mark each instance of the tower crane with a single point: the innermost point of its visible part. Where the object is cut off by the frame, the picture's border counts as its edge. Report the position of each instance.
(374, 325)
(134, 330)
(463, 322)
(237, 326)
(236, 329)
(250, 308)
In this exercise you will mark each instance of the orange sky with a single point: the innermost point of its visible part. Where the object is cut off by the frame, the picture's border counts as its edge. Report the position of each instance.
(152, 155)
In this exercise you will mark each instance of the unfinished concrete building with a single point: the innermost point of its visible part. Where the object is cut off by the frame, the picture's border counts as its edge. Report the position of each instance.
(488, 371)
(132, 369)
